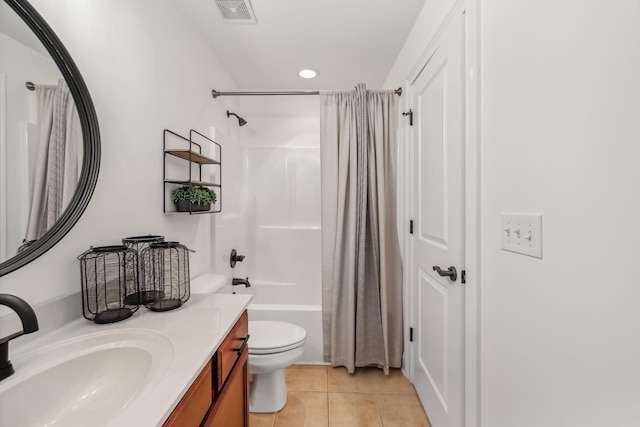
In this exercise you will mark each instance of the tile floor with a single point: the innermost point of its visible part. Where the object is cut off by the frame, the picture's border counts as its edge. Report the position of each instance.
(323, 396)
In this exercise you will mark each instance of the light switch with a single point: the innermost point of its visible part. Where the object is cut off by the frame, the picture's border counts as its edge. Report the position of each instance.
(522, 233)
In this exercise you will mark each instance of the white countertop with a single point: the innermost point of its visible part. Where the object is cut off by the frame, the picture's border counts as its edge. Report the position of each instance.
(194, 330)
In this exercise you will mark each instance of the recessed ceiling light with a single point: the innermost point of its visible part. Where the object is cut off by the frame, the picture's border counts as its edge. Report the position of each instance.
(308, 73)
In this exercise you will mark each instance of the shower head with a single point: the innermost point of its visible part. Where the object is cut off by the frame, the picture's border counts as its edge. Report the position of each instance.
(241, 121)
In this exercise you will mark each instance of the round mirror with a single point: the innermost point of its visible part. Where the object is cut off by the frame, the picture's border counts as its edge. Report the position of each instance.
(49, 138)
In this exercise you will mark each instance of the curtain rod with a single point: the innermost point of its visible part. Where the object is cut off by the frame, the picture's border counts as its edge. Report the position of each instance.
(30, 85)
(216, 94)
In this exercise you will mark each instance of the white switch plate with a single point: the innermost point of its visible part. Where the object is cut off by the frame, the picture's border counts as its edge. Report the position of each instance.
(522, 233)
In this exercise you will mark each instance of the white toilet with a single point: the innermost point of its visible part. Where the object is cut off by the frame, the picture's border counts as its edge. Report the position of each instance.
(273, 346)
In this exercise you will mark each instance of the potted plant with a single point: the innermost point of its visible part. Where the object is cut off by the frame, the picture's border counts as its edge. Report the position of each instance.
(193, 199)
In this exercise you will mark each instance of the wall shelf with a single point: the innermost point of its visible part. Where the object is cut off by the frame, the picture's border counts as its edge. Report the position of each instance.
(191, 167)
(192, 156)
(200, 183)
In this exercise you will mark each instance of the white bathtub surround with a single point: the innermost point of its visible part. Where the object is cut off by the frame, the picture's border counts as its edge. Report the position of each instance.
(282, 204)
(362, 276)
(187, 337)
(278, 222)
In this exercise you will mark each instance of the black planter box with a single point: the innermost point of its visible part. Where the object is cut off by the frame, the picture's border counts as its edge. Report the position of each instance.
(187, 206)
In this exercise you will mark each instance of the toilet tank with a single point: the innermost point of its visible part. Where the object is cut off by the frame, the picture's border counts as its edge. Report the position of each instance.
(208, 283)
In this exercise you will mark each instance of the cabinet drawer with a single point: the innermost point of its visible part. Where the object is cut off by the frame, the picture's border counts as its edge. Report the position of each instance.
(194, 405)
(231, 348)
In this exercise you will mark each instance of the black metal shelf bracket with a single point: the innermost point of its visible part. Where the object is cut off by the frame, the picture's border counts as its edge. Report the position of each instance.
(193, 155)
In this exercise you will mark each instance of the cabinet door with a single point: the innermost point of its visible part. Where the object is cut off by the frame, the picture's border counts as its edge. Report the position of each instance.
(196, 402)
(232, 406)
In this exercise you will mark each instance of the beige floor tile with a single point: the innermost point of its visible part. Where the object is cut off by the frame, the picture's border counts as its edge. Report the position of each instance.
(304, 409)
(353, 410)
(395, 382)
(306, 378)
(401, 410)
(261, 420)
(342, 381)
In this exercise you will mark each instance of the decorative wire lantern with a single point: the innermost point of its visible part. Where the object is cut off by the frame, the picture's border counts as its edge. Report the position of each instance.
(166, 271)
(139, 295)
(106, 272)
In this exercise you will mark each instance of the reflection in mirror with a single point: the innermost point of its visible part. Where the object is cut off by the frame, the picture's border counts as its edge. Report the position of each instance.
(49, 138)
(42, 141)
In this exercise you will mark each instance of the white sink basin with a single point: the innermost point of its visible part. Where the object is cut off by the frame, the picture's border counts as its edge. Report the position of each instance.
(83, 381)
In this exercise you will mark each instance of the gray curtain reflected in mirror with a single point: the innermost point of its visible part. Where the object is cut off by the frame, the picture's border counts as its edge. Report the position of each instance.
(59, 158)
(49, 138)
(43, 141)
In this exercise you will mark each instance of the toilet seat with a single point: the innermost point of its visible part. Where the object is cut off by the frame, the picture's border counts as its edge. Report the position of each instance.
(271, 337)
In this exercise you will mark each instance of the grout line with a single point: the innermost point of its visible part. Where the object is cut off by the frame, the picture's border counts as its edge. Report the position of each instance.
(375, 398)
(327, 370)
(328, 409)
(326, 396)
(328, 400)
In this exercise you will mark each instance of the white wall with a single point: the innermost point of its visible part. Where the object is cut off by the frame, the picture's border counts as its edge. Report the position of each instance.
(147, 69)
(559, 107)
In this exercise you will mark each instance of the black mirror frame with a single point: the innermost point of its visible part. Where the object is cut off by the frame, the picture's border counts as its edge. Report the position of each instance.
(90, 133)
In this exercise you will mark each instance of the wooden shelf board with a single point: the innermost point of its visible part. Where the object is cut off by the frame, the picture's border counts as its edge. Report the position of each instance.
(187, 182)
(191, 213)
(193, 156)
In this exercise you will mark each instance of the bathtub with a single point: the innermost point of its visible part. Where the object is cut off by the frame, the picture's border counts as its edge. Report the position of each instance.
(273, 301)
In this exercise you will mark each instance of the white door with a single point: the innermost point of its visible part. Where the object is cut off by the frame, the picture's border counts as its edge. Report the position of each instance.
(437, 350)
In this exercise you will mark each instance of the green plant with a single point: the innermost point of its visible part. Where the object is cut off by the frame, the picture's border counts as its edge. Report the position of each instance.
(196, 195)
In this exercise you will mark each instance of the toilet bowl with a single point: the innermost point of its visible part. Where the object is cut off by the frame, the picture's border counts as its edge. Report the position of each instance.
(273, 346)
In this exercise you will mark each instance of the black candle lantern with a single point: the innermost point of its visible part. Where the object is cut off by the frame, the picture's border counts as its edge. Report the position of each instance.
(166, 271)
(140, 295)
(106, 272)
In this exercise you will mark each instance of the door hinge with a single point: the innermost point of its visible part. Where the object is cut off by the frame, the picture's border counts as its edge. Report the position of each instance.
(410, 114)
(410, 334)
(410, 226)
(463, 276)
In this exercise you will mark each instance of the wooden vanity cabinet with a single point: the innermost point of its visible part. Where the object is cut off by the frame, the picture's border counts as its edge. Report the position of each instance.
(220, 394)
(196, 402)
(231, 409)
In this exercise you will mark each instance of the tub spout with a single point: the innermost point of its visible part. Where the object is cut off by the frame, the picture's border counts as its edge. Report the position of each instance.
(238, 281)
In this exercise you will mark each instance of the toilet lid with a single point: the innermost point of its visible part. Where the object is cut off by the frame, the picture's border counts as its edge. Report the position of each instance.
(268, 336)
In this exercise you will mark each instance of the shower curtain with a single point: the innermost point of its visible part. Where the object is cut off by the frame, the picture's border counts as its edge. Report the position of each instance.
(361, 266)
(59, 158)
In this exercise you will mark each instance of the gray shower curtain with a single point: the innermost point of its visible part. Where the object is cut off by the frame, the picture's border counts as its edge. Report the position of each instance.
(59, 158)
(361, 266)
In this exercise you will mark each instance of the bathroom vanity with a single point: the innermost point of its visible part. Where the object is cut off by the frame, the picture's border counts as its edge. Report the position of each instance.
(219, 395)
(184, 367)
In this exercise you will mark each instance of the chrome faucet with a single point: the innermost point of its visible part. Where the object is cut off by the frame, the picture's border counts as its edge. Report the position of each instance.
(236, 281)
(29, 325)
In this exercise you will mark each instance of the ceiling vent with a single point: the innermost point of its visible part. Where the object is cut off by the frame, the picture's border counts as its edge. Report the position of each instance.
(236, 11)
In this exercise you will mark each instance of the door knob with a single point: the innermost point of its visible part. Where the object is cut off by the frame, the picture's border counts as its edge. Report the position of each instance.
(450, 272)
